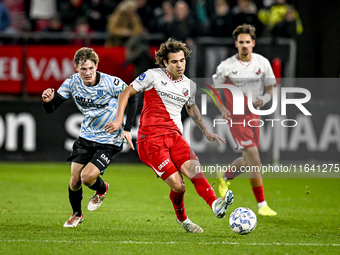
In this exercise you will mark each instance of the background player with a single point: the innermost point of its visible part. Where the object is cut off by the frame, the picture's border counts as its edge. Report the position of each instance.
(161, 145)
(246, 70)
(96, 95)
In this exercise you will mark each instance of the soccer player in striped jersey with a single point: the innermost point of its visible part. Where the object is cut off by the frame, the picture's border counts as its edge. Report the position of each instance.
(247, 71)
(161, 145)
(96, 96)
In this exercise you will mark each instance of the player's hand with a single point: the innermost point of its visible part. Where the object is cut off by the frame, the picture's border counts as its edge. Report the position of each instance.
(113, 126)
(258, 102)
(213, 137)
(47, 95)
(226, 114)
(127, 136)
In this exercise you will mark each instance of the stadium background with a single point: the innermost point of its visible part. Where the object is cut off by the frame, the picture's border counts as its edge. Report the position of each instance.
(27, 133)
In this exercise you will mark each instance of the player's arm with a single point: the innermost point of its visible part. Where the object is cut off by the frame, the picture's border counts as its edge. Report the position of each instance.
(122, 102)
(262, 100)
(130, 116)
(51, 100)
(131, 110)
(224, 110)
(218, 78)
(195, 114)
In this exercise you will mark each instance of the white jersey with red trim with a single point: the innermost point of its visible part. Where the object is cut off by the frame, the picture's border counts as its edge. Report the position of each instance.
(164, 99)
(253, 75)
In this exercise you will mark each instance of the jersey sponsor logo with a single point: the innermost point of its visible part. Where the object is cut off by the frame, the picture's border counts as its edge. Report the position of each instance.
(163, 164)
(171, 96)
(88, 102)
(249, 142)
(105, 158)
(185, 92)
(245, 82)
(141, 77)
(258, 71)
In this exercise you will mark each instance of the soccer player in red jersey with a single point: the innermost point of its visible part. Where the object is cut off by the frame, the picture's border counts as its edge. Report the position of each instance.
(161, 145)
(249, 72)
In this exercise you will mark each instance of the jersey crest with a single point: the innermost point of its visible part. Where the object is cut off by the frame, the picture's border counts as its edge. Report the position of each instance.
(185, 92)
(100, 92)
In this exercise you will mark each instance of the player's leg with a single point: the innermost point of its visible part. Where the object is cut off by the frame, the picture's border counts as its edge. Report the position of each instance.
(90, 178)
(97, 166)
(240, 134)
(90, 175)
(177, 186)
(176, 183)
(232, 172)
(252, 157)
(75, 195)
(187, 162)
(154, 153)
(191, 169)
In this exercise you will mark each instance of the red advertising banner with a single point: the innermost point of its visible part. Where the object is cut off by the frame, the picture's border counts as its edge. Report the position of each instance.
(11, 69)
(49, 66)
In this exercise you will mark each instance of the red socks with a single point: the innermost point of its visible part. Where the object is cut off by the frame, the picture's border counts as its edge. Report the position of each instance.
(259, 194)
(204, 189)
(178, 204)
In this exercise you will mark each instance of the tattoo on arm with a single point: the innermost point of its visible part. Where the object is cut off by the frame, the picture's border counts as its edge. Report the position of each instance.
(194, 113)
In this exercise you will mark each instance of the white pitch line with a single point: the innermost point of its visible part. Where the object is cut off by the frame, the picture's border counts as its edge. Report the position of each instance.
(171, 242)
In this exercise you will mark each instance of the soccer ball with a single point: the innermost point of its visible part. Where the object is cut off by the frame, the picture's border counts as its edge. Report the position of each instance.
(242, 220)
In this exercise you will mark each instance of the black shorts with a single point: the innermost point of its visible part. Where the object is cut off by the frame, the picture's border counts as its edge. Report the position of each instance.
(85, 151)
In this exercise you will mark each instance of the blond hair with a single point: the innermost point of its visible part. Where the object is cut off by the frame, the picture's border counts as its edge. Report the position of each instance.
(84, 54)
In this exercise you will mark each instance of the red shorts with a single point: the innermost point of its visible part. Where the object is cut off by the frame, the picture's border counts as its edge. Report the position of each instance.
(244, 128)
(246, 132)
(165, 154)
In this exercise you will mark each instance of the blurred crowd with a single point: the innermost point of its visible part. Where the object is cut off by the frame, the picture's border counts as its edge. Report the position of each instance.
(122, 19)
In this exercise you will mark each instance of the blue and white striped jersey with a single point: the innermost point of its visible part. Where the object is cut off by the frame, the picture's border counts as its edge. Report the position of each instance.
(98, 104)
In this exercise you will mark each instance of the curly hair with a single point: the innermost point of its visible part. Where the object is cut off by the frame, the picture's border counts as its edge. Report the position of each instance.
(84, 54)
(244, 29)
(170, 46)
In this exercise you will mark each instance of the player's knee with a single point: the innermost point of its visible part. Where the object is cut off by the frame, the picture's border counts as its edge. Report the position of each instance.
(252, 159)
(75, 183)
(255, 161)
(178, 187)
(88, 179)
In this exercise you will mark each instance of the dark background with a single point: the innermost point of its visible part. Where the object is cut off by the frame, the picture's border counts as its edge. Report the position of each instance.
(319, 45)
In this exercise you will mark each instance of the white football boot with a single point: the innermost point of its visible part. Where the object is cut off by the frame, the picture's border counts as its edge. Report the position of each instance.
(73, 221)
(189, 226)
(221, 205)
(97, 199)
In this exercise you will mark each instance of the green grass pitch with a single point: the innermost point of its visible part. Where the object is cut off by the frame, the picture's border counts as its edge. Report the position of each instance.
(137, 216)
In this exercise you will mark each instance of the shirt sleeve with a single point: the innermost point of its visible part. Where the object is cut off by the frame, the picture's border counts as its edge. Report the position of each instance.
(219, 76)
(65, 88)
(131, 112)
(117, 85)
(143, 82)
(269, 77)
(192, 94)
(54, 103)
